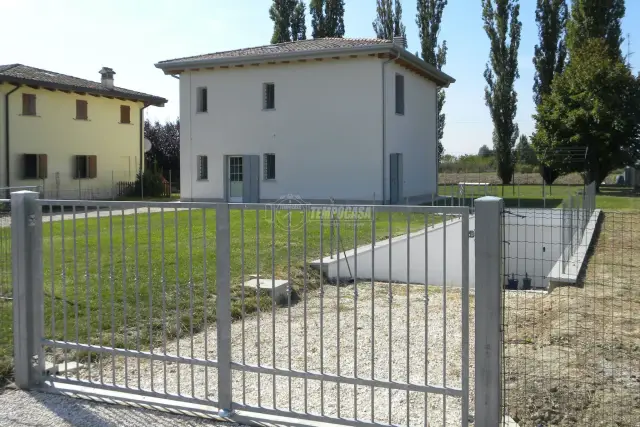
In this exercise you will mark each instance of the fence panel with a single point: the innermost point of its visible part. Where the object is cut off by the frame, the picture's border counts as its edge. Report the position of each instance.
(223, 306)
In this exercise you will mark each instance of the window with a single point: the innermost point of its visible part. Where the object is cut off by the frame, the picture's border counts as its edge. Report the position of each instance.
(34, 166)
(85, 167)
(269, 166)
(28, 104)
(201, 107)
(399, 94)
(203, 168)
(269, 102)
(81, 110)
(125, 114)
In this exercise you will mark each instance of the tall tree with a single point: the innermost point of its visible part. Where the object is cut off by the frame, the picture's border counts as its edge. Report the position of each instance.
(524, 151)
(388, 23)
(549, 60)
(316, 7)
(280, 13)
(165, 146)
(298, 24)
(550, 54)
(334, 18)
(594, 104)
(596, 19)
(428, 19)
(503, 28)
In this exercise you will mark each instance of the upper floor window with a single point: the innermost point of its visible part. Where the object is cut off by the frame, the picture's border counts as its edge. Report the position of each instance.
(125, 114)
(82, 112)
(201, 106)
(269, 96)
(28, 104)
(399, 94)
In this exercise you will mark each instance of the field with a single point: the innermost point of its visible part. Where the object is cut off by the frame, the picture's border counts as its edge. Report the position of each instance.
(94, 280)
(573, 356)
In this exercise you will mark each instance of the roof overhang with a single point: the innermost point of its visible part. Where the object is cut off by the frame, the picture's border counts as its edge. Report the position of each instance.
(390, 50)
(107, 93)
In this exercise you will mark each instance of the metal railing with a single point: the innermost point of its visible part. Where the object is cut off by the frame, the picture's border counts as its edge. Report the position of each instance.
(241, 307)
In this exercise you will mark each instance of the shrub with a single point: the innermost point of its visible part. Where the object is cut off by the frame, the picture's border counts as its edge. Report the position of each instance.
(150, 183)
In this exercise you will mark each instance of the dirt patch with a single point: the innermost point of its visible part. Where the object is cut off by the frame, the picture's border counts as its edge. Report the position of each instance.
(572, 358)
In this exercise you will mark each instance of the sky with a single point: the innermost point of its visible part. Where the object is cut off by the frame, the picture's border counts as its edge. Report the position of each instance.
(79, 37)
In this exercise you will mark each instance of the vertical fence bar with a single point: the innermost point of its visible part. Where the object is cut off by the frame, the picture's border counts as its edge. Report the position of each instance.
(488, 265)
(28, 292)
(465, 319)
(223, 307)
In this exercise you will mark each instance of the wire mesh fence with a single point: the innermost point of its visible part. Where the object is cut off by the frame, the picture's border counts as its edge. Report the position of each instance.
(571, 356)
(106, 185)
(6, 292)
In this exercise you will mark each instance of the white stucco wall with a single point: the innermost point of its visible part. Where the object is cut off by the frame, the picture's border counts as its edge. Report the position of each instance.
(414, 133)
(326, 130)
(432, 272)
(533, 246)
(535, 243)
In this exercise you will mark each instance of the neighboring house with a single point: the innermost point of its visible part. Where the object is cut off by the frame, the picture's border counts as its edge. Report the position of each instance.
(317, 119)
(71, 136)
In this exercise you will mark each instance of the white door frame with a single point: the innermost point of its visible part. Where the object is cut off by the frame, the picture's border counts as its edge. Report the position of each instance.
(234, 198)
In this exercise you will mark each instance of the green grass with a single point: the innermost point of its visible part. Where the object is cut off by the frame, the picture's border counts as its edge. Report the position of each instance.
(532, 196)
(157, 291)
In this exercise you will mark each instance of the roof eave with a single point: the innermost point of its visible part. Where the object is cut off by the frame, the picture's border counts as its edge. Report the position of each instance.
(155, 101)
(168, 66)
(442, 79)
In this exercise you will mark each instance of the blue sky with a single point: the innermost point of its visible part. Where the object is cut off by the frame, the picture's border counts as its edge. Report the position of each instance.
(78, 37)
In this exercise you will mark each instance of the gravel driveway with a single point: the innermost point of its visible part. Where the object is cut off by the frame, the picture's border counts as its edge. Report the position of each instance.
(19, 408)
(407, 314)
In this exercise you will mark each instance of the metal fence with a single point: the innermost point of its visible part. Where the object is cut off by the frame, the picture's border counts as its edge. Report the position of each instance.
(569, 315)
(241, 307)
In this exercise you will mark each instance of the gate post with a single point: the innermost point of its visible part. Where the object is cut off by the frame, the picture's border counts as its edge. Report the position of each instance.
(489, 236)
(223, 307)
(27, 278)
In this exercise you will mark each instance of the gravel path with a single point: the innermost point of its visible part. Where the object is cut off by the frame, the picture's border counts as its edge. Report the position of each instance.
(324, 344)
(19, 408)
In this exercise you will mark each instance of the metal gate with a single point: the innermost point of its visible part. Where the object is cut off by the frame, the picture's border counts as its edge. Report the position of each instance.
(240, 311)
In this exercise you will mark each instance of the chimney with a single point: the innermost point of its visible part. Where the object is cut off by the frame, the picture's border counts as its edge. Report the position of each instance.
(400, 42)
(107, 77)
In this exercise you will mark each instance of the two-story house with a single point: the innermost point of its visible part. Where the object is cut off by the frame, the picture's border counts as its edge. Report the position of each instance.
(72, 137)
(353, 120)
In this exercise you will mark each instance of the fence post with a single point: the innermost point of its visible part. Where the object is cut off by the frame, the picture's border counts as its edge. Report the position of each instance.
(223, 307)
(489, 236)
(27, 278)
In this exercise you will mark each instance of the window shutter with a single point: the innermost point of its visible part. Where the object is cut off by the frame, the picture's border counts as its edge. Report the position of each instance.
(92, 166)
(28, 104)
(25, 166)
(42, 166)
(399, 94)
(76, 166)
(204, 100)
(125, 114)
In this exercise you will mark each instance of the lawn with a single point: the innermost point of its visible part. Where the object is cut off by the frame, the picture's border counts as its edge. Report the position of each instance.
(110, 296)
(533, 196)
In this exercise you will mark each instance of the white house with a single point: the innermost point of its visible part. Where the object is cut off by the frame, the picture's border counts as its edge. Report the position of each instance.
(353, 120)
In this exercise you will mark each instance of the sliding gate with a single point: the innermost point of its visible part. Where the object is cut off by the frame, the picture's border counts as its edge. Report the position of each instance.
(245, 311)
